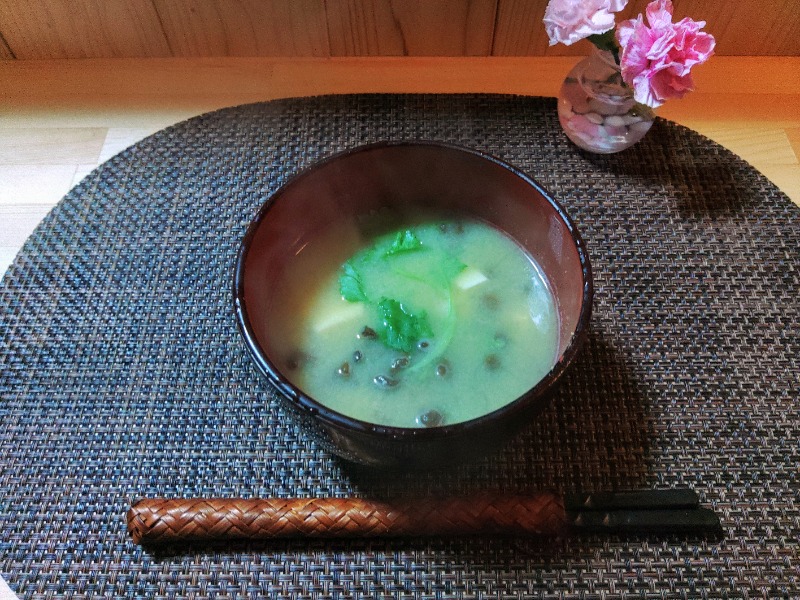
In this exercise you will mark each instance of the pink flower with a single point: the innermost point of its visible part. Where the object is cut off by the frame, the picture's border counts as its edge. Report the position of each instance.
(567, 21)
(656, 61)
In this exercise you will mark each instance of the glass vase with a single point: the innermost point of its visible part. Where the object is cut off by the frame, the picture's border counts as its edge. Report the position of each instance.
(596, 108)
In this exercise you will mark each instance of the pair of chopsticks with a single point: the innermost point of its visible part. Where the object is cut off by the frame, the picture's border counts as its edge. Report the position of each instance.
(161, 520)
(671, 511)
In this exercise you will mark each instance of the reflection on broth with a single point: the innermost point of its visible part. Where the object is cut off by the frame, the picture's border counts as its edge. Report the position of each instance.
(433, 322)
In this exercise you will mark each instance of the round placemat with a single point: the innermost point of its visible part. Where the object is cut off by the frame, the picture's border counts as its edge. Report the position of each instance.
(123, 374)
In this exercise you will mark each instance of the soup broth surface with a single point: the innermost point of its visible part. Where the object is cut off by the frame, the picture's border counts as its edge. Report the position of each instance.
(430, 324)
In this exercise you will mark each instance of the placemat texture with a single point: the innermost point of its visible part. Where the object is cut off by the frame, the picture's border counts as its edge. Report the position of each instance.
(123, 374)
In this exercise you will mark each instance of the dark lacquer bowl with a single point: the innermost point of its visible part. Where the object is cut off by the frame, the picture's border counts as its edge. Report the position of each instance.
(399, 176)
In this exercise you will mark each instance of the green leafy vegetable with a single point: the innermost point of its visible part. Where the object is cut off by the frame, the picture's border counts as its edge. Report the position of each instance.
(449, 267)
(351, 285)
(364, 279)
(404, 241)
(400, 329)
(439, 272)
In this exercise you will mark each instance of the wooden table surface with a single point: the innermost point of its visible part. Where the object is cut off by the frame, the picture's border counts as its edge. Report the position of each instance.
(59, 119)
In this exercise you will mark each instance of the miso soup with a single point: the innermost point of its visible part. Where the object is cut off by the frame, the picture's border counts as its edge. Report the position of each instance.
(427, 324)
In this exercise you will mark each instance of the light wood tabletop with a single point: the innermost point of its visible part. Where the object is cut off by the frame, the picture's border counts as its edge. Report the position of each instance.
(59, 119)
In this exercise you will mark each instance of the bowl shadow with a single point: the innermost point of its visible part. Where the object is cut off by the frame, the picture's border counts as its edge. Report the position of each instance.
(703, 181)
(591, 436)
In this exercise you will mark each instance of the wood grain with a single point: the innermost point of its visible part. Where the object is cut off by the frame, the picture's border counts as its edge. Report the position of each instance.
(766, 28)
(5, 51)
(519, 31)
(244, 27)
(46, 29)
(42, 29)
(411, 27)
(51, 145)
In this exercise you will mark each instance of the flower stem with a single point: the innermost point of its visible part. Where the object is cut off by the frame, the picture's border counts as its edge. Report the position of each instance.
(606, 41)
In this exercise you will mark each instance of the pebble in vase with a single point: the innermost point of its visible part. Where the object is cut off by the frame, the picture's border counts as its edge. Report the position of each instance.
(596, 108)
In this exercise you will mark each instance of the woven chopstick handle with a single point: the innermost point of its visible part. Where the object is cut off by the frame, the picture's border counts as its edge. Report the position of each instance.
(202, 519)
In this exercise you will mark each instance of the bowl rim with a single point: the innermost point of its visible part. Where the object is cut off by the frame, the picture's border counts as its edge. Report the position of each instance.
(308, 405)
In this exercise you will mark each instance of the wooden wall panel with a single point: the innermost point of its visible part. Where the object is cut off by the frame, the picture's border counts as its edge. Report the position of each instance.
(765, 27)
(519, 31)
(411, 27)
(244, 27)
(5, 51)
(33, 29)
(742, 28)
(82, 28)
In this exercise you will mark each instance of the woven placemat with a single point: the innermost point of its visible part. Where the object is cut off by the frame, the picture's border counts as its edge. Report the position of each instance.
(123, 374)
